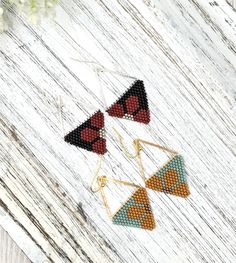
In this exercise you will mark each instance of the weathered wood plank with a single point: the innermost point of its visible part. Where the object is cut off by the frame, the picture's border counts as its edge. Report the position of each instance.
(232, 3)
(9, 251)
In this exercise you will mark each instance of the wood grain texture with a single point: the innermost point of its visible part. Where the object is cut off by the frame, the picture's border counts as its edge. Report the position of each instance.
(9, 251)
(232, 3)
(185, 52)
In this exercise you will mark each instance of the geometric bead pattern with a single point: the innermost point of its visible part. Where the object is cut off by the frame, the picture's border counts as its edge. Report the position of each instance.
(90, 135)
(136, 212)
(132, 105)
(171, 178)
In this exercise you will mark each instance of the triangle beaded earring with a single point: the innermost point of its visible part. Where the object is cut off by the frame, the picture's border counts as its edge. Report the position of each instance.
(133, 104)
(90, 135)
(170, 178)
(135, 212)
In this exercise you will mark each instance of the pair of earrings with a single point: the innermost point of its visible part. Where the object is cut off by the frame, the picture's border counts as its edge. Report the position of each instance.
(132, 105)
(170, 178)
(137, 211)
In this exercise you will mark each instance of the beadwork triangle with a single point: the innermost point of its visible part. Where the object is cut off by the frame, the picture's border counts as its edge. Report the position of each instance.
(171, 178)
(132, 105)
(136, 212)
(90, 135)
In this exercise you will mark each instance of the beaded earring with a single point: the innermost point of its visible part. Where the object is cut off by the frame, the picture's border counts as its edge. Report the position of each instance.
(135, 212)
(90, 135)
(132, 105)
(170, 178)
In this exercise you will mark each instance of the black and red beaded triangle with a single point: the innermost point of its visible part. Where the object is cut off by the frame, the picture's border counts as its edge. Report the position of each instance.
(132, 105)
(90, 135)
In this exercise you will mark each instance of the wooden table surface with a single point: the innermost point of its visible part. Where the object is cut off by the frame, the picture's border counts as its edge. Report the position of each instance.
(185, 51)
(9, 250)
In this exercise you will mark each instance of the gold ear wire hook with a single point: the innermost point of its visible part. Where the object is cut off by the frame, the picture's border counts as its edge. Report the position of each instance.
(138, 148)
(101, 182)
(96, 178)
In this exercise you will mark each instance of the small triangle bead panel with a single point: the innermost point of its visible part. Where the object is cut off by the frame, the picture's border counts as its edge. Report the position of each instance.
(171, 178)
(132, 105)
(90, 135)
(136, 212)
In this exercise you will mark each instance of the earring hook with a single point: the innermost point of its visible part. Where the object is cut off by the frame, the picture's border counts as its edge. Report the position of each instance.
(61, 105)
(99, 68)
(101, 182)
(103, 69)
(96, 179)
(137, 145)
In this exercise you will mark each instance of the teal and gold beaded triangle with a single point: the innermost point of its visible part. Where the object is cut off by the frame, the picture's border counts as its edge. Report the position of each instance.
(136, 212)
(171, 178)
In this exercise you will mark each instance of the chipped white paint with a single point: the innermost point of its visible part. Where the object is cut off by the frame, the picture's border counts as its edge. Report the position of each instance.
(185, 53)
(9, 251)
(232, 3)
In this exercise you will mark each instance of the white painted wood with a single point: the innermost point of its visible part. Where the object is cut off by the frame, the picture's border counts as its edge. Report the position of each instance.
(9, 251)
(232, 3)
(185, 53)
